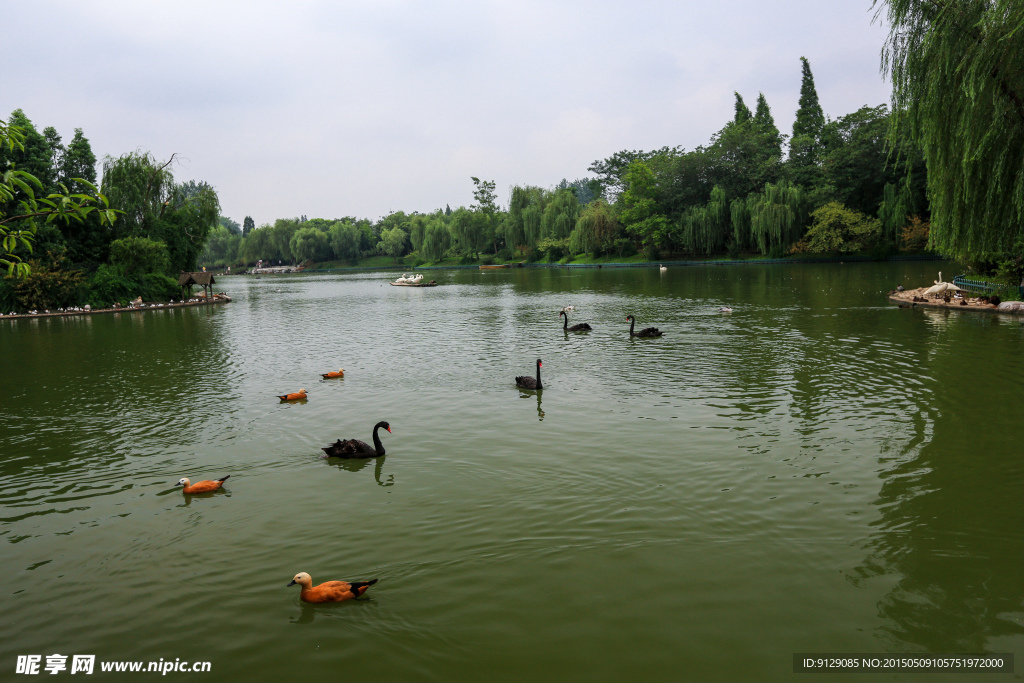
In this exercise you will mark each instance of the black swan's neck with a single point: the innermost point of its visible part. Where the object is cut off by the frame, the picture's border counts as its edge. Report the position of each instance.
(376, 440)
(632, 323)
(538, 375)
(565, 325)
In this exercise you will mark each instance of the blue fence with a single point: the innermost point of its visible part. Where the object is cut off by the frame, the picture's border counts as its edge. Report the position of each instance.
(984, 287)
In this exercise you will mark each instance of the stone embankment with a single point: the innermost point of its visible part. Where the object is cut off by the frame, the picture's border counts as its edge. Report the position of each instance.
(135, 308)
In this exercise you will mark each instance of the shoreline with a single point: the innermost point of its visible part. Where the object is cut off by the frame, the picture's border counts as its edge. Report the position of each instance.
(628, 264)
(127, 309)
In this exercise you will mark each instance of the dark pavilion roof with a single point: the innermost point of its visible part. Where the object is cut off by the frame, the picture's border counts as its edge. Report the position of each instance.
(201, 279)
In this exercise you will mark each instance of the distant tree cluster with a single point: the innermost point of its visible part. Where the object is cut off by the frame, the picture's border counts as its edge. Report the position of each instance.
(751, 189)
(944, 169)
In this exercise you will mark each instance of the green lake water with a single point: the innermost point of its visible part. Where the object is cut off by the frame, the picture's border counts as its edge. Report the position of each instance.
(818, 471)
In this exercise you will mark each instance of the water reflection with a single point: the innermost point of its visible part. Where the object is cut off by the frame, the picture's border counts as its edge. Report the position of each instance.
(201, 496)
(359, 464)
(308, 611)
(816, 429)
(948, 537)
(527, 393)
(307, 614)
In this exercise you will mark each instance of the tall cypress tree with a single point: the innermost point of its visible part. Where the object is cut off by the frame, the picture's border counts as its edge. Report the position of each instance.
(87, 241)
(742, 112)
(77, 161)
(770, 140)
(766, 124)
(805, 146)
(36, 156)
(810, 119)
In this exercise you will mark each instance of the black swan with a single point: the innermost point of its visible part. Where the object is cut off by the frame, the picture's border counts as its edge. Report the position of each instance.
(354, 448)
(646, 332)
(582, 327)
(525, 382)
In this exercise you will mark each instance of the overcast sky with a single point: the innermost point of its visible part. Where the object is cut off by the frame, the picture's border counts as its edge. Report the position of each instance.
(361, 108)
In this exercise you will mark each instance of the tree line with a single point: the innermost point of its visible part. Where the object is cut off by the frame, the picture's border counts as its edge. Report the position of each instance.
(125, 236)
(943, 169)
(849, 184)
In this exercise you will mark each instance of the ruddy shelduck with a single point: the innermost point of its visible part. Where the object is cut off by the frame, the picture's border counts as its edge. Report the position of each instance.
(329, 591)
(201, 486)
(332, 375)
(294, 396)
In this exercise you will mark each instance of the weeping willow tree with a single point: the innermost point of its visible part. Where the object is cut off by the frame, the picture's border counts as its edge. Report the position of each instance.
(520, 199)
(468, 231)
(897, 204)
(595, 229)
(532, 222)
(957, 68)
(706, 228)
(154, 206)
(777, 217)
(136, 184)
(436, 239)
(560, 215)
(417, 224)
(739, 216)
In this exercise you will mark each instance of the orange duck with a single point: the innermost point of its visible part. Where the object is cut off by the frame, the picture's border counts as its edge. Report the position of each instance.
(329, 591)
(295, 396)
(201, 486)
(332, 375)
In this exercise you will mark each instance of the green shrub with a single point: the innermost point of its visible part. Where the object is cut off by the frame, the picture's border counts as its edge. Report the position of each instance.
(137, 256)
(839, 229)
(50, 285)
(624, 247)
(111, 284)
(553, 249)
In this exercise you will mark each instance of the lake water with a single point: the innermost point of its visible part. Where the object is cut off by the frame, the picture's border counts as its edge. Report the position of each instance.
(818, 471)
